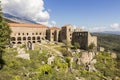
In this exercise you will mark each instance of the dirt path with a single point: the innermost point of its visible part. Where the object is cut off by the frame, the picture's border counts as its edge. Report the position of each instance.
(52, 49)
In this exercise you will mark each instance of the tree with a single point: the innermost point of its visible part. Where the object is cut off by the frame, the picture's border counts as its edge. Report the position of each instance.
(4, 36)
(76, 45)
(67, 51)
(91, 46)
(67, 44)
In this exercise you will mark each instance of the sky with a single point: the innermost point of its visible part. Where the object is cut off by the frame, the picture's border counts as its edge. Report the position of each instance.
(92, 15)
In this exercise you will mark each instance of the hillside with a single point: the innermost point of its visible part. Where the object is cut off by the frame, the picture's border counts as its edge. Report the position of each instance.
(17, 19)
(108, 41)
(53, 62)
(9, 21)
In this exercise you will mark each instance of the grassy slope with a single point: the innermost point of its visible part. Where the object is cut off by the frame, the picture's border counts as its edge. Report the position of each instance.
(18, 69)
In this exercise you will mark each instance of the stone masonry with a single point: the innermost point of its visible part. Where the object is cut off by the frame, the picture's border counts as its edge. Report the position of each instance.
(36, 33)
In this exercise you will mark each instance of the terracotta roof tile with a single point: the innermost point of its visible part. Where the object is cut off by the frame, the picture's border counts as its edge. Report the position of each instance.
(27, 25)
(54, 28)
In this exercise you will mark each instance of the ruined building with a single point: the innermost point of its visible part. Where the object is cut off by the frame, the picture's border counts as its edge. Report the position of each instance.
(36, 33)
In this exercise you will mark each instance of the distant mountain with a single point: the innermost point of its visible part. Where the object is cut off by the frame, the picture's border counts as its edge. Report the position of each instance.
(110, 32)
(17, 19)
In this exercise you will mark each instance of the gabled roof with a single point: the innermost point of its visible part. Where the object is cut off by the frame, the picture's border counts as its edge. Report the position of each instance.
(27, 25)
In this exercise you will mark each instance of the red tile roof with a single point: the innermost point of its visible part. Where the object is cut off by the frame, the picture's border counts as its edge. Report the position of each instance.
(27, 25)
(54, 28)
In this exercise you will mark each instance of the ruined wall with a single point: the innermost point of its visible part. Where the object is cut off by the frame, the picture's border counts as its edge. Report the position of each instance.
(53, 34)
(92, 39)
(81, 38)
(66, 33)
(84, 39)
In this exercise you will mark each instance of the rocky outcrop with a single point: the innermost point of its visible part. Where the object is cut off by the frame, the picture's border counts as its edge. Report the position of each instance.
(87, 59)
(50, 60)
(81, 78)
(22, 54)
(114, 55)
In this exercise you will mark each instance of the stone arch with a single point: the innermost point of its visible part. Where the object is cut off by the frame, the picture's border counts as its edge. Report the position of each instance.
(18, 33)
(13, 39)
(27, 33)
(24, 38)
(13, 42)
(33, 38)
(33, 41)
(18, 42)
(19, 38)
(29, 38)
(39, 41)
(38, 38)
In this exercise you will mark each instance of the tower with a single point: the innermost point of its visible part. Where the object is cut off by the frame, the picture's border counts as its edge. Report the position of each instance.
(66, 33)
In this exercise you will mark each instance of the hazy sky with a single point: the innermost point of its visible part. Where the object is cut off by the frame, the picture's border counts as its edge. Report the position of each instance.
(93, 15)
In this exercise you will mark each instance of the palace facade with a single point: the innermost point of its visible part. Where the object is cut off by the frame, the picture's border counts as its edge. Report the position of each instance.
(37, 33)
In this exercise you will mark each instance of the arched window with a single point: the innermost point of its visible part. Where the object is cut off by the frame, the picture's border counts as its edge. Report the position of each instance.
(39, 41)
(18, 33)
(29, 38)
(33, 38)
(24, 38)
(13, 39)
(13, 42)
(36, 33)
(39, 33)
(27, 33)
(33, 41)
(38, 38)
(32, 33)
(19, 38)
(18, 42)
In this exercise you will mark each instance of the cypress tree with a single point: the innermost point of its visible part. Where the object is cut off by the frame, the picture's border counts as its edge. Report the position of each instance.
(5, 32)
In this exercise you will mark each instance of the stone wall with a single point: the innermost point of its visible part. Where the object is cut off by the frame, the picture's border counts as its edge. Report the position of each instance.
(22, 35)
(84, 39)
(53, 34)
(66, 33)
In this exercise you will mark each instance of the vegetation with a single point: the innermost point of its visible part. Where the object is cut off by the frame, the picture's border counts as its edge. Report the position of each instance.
(109, 41)
(107, 65)
(37, 68)
(4, 36)
(67, 44)
(77, 45)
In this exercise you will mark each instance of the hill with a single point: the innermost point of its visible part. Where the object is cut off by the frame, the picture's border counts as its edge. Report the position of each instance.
(109, 32)
(17, 19)
(108, 41)
(46, 63)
